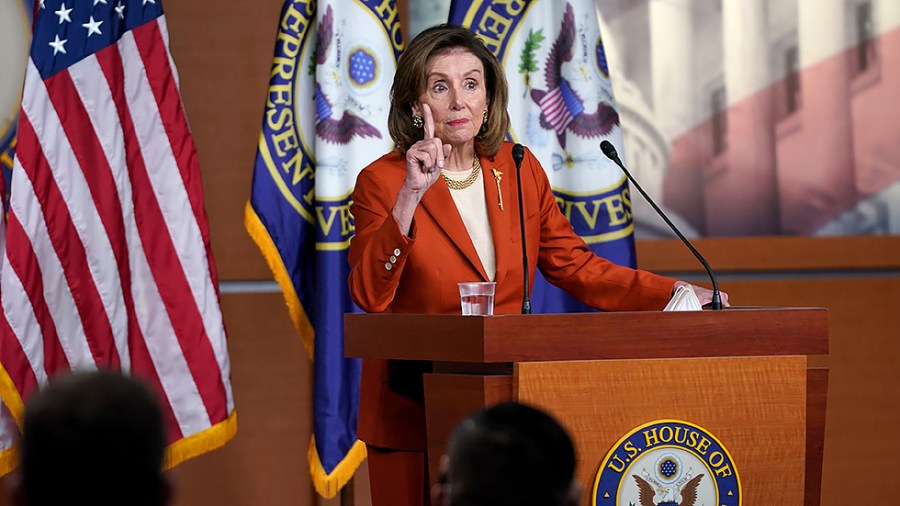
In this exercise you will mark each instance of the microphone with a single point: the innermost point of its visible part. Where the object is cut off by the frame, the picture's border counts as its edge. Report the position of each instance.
(610, 151)
(518, 153)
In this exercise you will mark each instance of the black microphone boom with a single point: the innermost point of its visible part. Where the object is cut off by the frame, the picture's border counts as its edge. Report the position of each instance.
(610, 151)
(518, 153)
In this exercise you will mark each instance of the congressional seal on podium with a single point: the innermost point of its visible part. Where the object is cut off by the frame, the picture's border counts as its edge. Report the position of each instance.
(667, 463)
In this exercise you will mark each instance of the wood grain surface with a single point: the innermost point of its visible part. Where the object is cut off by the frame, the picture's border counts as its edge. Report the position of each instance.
(588, 336)
(756, 407)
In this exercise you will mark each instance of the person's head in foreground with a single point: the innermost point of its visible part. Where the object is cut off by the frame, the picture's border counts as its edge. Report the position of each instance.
(508, 455)
(92, 438)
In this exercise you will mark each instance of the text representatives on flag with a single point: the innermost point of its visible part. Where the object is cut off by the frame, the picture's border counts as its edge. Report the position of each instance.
(288, 156)
(496, 21)
(598, 217)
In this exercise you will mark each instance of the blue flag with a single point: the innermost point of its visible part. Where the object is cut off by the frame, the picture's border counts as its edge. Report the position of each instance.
(561, 106)
(325, 120)
(20, 16)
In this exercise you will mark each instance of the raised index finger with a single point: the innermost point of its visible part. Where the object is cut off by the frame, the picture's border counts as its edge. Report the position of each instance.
(429, 121)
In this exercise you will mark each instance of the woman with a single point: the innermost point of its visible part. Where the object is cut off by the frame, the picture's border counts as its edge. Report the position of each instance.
(441, 209)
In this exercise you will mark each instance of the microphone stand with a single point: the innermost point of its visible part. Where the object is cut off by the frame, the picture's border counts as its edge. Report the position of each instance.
(518, 153)
(610, 151)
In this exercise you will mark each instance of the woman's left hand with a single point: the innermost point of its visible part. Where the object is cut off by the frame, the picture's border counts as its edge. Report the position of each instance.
(704, 295)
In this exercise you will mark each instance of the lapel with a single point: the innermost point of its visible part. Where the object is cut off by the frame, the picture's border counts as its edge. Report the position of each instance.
(438, 203)
(500, 219)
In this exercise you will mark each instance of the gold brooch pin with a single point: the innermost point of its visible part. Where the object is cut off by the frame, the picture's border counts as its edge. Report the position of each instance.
(497, 177)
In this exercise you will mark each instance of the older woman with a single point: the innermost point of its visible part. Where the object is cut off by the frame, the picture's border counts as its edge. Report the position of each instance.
(441, 209)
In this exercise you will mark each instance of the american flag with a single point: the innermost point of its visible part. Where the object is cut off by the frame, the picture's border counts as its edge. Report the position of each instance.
(560, 106)
(108, 261)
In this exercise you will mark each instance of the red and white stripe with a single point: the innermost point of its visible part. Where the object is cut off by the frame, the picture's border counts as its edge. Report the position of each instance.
(108, 262)
(553, 105)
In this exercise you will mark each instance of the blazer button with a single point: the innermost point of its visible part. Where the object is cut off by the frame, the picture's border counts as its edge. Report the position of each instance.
(393, 259)
(388, 266)
(396, 252)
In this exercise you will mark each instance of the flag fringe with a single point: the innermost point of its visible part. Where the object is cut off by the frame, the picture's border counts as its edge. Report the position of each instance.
(178, 452)
(9, 459)
(266, 246)
(202, 442)
(11, 397)
(328, 485)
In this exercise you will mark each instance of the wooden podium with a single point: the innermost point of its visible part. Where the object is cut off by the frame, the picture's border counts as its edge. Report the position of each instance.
(740, 373)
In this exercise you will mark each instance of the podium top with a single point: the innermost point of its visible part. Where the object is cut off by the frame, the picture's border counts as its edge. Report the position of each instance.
(587, 336)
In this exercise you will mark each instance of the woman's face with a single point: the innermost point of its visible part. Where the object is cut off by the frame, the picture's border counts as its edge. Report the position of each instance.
(456, 93)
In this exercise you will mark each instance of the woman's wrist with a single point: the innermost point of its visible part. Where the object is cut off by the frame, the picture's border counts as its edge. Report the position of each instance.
(408, 193)
(405, 207)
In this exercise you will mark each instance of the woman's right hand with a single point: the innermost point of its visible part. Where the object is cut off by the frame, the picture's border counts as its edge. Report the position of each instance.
(425, 159)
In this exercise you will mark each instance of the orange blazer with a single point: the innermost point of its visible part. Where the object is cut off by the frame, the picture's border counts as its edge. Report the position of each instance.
(392, 272)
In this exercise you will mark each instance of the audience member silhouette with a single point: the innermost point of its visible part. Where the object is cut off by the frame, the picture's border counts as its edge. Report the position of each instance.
(92, 438)
(508, 455)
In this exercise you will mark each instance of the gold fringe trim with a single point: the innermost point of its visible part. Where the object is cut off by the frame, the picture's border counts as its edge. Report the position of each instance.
(182, 450)
(201, 442)
(178, 452)
(328, 485)
(9, 459)
(11, 397)
(266, 246)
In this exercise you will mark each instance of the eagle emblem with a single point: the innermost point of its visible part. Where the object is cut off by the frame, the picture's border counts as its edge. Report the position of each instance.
(337, 131)
(668, 463)
(562, 110)
(647, 493)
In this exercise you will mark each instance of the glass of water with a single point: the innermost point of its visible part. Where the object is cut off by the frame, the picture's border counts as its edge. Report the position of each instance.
(477, 298)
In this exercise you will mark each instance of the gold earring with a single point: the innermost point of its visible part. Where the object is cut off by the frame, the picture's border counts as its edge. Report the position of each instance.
(418, 122)
(484, 118)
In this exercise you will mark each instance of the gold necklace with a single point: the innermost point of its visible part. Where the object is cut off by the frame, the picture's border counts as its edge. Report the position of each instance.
(462, 184)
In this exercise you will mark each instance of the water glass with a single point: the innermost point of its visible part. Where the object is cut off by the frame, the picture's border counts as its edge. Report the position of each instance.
(477, 298)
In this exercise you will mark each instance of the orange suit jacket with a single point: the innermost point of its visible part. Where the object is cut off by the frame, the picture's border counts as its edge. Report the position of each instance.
(392, 272)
